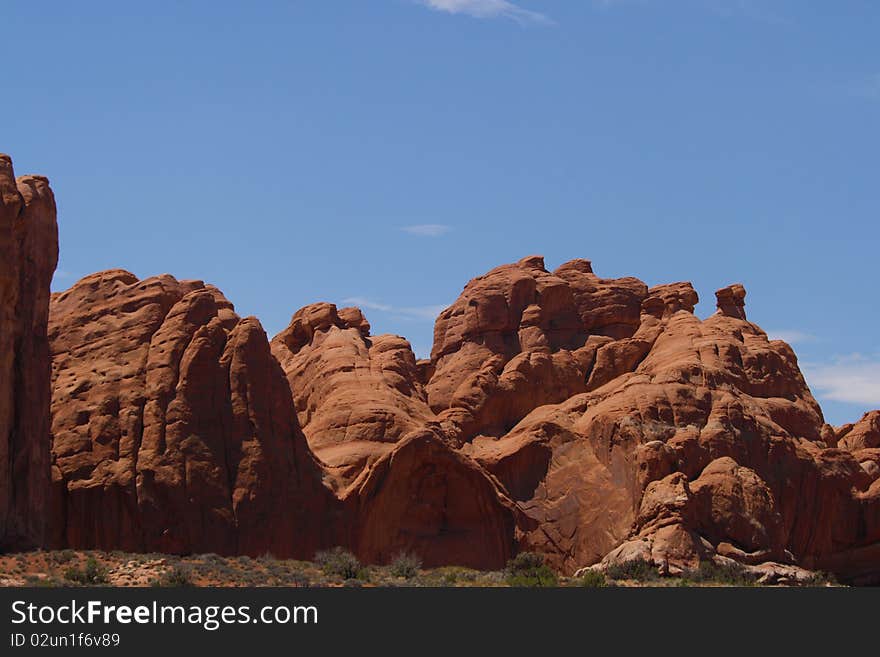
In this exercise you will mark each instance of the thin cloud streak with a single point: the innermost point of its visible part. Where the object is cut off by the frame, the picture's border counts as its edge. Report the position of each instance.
(488, 9)
(404, 312)
(362, 303)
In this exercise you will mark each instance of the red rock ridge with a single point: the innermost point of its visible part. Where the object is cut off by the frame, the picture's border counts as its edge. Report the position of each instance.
(593, 420)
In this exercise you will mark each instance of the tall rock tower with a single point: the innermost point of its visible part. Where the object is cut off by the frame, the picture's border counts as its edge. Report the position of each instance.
(28, 256)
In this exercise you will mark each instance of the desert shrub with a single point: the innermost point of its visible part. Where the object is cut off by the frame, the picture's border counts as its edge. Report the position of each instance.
(252, 577)
(63, 556)
(593, 579)
(405, 565)
(729, 574)
(223, 571)
(450, 575)
(821, 578)
(91, 574)
(267, 558)
(48, 583)
(529, 569)
(339, 561)
(212, 558)
(176, 577)
(298, 579)
(639, 570)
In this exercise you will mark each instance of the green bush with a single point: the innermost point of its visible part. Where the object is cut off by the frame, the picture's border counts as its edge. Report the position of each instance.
(729, 574)
(451, 575)
(176, 577)
(405, 565)
(93, 573)
(636, 569)
(339, 561)
(63, 556)
(593, 579)
(528, 569)
(298, 579)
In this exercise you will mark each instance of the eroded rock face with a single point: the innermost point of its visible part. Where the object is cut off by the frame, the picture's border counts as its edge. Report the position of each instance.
(864, 434)
(403, 485)
(592, 420)
(426, 498)
(28, 256)
(173, 426)
(521, 337)
(356, 395)
(601, 417)
(710, 417)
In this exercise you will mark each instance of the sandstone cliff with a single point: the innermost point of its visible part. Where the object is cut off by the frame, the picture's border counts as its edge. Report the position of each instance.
(605, 420)
(173, 426)
(28, 256)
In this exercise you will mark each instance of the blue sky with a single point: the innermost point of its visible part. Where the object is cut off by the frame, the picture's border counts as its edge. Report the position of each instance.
(388, 151)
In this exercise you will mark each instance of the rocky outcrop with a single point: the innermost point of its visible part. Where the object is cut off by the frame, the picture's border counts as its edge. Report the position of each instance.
(28, 256)
(593, 420)
(521, 337)
(864, 434)
(173, 426)
(678, 438)
(423, 497)
(403, 486)
(356, 395)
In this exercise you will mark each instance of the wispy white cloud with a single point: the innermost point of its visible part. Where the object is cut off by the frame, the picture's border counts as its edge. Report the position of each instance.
(427, 230)
(854, 379)
(791, 336)
(423, 312)
(363, 303)
(488, 9)
(405, 312)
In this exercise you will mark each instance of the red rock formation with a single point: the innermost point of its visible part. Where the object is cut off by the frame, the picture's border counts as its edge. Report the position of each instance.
(364, 410)
(718, 426)
(28, 256)
(592, 420)
(521, 337)
(711, 406)
(864, 434)
(613, 419)
(173, 426)
(426, 498)
(356, 395)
